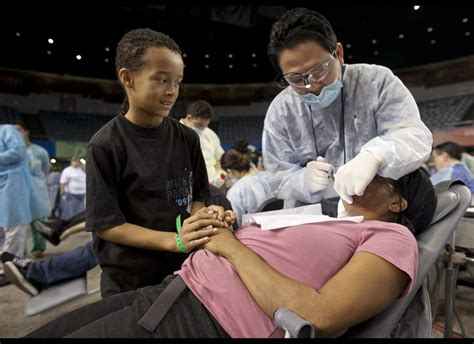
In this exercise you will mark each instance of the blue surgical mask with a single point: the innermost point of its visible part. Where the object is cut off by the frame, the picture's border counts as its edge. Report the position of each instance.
(198, 131)
(230, 181)
(328, 94)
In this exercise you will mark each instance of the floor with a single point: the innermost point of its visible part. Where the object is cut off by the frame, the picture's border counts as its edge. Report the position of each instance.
(14, 323)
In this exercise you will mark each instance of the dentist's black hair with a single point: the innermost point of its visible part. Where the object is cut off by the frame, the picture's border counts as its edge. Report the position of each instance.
(296, 26)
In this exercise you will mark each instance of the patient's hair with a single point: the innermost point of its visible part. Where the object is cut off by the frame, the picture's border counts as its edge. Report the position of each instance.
(417, 189)
(451, 148)
(235, 160)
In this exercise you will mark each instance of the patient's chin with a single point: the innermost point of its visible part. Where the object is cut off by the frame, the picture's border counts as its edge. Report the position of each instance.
(351, 210)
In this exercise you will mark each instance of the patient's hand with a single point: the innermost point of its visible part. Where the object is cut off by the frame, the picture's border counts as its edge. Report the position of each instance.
(221, 243)
(228, 216)
(197, 228)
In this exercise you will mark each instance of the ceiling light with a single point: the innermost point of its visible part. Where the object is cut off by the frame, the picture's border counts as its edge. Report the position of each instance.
(254, 65)
(78, 57)
(206, 66)
(401, 36)
(53, 161)
(467, 33)
(18, 34)
(206, 56)
(107, 49)
(376, 52)
(48, 52)
(254, 55)
(433, 41)
(83, 161)
(429, 29)
(374, 41)
(106, 60)
(416, 7)
(185, 55)
(465, 20)
(50, 40)
(231, 56)
(350, 57)
(231, 66)
(348, 45)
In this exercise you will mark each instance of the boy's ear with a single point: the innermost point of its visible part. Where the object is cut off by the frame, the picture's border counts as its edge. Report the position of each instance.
(125, 77)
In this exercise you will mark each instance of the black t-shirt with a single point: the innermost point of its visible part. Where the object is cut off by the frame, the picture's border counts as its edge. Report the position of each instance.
(147, 177)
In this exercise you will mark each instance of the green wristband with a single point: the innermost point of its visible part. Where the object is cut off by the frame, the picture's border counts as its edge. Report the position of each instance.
(180, 245)
(179, 241)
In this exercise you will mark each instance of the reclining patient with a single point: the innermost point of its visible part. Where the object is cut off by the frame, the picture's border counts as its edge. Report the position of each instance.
(333, 274)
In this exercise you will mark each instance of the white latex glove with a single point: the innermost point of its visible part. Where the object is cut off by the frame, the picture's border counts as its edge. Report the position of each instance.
(341, 211)
(316, 174)
(353, 177)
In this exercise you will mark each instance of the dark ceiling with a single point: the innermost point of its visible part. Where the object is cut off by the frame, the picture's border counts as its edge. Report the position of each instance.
(370, 33)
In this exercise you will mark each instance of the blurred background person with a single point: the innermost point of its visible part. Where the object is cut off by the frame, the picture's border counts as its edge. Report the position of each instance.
(72, 189)
(468, 159)
(198, 117)
(39, 165)
(20, 200)
(250, 187)
(447, 162)
(251, 151)
(52, 182)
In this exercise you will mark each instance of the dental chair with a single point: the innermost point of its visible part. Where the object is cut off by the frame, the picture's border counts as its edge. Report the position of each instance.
(408, 317)
(58, 295)
(61, 293)
(270, 205)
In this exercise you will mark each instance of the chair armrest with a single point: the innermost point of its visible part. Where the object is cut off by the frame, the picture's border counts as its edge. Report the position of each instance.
(293, 324)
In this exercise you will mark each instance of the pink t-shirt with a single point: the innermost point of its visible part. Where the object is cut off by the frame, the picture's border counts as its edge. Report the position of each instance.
(309, 253)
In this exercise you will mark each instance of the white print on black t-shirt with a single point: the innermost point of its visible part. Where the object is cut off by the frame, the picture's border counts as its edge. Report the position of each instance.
(179, 189)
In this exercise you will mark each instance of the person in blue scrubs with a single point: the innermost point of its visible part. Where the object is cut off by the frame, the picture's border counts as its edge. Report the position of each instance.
(20, 200)
(39, 165)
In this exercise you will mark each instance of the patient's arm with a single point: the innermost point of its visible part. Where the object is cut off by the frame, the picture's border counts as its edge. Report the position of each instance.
(365, 286)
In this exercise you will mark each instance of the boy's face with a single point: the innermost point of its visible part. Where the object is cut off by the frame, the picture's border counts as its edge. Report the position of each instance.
(155, 87)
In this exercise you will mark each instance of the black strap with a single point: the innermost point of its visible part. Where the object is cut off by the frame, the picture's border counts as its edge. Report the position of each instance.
(162, 304)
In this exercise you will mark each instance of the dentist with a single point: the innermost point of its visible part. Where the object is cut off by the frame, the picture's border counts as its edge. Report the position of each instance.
(358, 120)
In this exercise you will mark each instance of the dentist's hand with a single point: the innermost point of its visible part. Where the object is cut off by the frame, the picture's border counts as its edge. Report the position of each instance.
(352, 178)
(316, 174)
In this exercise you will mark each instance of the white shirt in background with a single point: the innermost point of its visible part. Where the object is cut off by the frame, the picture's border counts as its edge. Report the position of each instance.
(75, 180)
(212, 152)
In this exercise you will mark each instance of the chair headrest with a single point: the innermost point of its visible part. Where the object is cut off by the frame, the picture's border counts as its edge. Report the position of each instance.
(447, 200)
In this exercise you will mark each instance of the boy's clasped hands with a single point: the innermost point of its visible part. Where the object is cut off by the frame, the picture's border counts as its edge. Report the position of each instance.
(198, 229)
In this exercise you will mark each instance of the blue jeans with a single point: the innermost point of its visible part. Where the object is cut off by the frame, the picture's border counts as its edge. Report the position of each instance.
(69, 265)
(71, 204)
